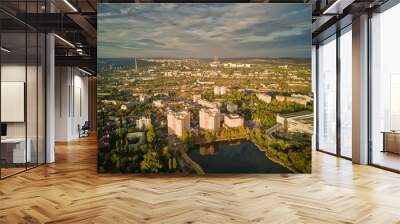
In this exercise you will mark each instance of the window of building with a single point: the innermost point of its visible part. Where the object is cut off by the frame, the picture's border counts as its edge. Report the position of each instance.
(385, 89)
(327, 95)
(22, 77)
(345, 58)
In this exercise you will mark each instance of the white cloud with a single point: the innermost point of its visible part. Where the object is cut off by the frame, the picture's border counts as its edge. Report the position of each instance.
(201, 29)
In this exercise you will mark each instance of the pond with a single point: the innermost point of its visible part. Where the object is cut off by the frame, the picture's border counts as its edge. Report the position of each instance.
(234, 157)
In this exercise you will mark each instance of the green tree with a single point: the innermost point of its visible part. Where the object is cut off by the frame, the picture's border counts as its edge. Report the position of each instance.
(258, 134)
(165, 152)
(185, 137)
(151, 134)
(172, 165)
(150, 163)
(209, 136)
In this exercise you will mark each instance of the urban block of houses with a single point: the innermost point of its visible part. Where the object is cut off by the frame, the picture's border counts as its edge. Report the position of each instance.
(205, 82)
(297, 98)
(210, 119)
(308, 98)
(208, 104)
(143, 123)
(231, 108)
(280, 98)
(233, 121)
(264, 97)
(168, 74)
(219, 90)
(112, 102)
(234, 65)
(297, 122)
(178, 123)
(214, 64)
(196, 98)
(143, 98)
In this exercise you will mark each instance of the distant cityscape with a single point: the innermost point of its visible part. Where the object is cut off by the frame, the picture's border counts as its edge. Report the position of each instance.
(154, 113)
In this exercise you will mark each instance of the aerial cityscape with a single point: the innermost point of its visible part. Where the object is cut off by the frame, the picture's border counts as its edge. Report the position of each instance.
(216, 104)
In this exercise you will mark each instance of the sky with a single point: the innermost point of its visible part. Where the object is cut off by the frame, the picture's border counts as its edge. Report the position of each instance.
(166, 30)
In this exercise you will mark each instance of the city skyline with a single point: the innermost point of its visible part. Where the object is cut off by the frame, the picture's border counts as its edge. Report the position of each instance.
(220, 88)
(204, 30)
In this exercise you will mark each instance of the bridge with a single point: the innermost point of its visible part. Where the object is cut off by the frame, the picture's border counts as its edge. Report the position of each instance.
(272, 129)
(178, 146)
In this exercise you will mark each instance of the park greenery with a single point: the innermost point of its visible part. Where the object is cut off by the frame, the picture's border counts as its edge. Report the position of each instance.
(264, 113)
(294, 155)
(119, 154)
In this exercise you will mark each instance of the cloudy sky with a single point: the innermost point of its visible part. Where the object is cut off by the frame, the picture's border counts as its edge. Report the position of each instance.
(204, 30)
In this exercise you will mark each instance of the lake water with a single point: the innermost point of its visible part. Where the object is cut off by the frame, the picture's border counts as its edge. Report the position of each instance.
(238, 157)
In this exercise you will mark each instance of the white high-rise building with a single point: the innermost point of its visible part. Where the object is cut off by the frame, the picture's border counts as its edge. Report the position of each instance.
(178, 123)
(210, 119)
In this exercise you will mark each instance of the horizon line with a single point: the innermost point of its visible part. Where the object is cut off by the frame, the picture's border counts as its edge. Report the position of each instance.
(204, 57)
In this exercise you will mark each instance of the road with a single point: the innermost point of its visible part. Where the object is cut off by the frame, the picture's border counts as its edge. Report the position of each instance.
(272, 129)
(179, 147)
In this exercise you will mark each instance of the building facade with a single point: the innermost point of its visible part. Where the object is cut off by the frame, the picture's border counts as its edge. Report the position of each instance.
(219, 90)
(178, 123)
(232, 108)
(210, 119)
(208, 104)
(143, 98)
(299, 100)
(143, 123)
(196, 98)
(233, 121)
(264, 97)
(280, 98)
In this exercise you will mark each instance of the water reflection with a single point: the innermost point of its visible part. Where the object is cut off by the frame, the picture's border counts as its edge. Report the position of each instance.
(234, 157)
